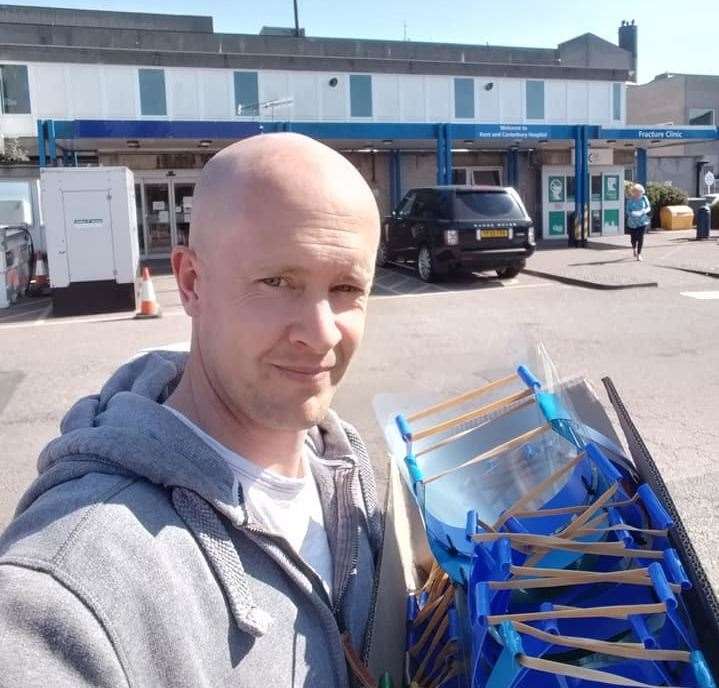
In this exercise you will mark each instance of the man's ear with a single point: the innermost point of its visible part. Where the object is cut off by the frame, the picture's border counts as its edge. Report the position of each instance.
(185, 267)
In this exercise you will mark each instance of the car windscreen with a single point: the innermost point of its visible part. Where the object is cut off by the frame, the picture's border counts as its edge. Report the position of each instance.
(486, 205)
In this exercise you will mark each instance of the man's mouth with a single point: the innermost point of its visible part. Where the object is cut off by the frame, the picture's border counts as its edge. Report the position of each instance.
(304, 373)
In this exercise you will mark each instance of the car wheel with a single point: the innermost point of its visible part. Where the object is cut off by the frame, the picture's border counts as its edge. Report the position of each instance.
(382, 255)
(425, 265)
(509, 272)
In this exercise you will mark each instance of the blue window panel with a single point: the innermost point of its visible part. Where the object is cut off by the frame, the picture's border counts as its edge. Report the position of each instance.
(360, 95)
(152, 92)
(464, 98)
(247, 94)
(535, 99)
(14, 90)
(616, 102)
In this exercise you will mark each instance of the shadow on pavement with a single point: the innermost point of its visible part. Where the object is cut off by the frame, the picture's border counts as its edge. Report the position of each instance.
(626, 259)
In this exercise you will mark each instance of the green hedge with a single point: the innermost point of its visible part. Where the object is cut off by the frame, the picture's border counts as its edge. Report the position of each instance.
(660, 195)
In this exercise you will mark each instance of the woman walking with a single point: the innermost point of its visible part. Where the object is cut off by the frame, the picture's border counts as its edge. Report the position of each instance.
(638, 217)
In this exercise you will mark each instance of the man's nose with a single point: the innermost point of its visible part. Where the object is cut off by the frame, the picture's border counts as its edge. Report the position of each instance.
(316, 327)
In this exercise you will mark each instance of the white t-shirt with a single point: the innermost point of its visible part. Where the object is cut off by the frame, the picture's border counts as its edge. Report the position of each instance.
(288, 507)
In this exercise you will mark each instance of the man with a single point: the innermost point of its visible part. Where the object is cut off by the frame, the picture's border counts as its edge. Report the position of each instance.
(206, 520)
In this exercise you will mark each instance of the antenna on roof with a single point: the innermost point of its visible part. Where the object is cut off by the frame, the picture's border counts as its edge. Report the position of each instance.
(297, 20)
(405, 31)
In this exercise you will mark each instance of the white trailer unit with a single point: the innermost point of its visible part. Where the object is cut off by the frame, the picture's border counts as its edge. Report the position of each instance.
(91, 235)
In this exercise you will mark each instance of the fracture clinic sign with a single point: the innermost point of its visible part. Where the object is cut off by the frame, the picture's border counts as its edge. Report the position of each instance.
(660, 133)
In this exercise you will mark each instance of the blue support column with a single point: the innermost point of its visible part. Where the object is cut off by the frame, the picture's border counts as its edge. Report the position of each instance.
(441, 154)
(41, 155)
(395, 178)
(586, 188)
(573, 231)
(514, 157)
(51, 144)
(447, 153)
(641, 172)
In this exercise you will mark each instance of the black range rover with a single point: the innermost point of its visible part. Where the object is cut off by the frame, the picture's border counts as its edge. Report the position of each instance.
(442, 228)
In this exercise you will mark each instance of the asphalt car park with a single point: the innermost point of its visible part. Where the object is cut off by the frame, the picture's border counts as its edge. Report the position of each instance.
(398, 279)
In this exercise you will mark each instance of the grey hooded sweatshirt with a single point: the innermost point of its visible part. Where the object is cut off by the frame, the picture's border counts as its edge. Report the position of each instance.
(132, 561)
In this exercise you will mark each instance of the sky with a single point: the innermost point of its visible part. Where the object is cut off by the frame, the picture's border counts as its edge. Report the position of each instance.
(667, 43)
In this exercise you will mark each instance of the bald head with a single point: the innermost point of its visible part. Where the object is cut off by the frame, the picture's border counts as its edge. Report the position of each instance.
(255, 182)
(277, 276)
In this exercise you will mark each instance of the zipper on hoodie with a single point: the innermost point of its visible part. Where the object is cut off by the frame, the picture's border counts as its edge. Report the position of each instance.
(354, 557)
(369, 629)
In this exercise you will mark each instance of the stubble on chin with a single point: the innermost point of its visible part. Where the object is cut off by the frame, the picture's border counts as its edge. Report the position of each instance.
(268, 407)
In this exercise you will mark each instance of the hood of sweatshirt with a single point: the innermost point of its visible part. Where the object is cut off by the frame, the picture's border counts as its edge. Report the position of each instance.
(126, 430)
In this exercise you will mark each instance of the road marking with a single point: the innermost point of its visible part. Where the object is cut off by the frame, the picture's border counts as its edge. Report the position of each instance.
(486, 290)
(42, 322)
(702, 295)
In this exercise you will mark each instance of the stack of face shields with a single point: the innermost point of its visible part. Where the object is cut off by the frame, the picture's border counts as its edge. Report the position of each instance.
(555, 564)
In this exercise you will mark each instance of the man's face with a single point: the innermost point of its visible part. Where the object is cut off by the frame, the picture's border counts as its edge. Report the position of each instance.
(282, 304)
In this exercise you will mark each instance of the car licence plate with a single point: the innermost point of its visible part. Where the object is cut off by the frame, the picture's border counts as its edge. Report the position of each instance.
(492, 234)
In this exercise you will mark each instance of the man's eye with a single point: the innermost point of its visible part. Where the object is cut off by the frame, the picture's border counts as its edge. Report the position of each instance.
(349, 289)
(274, 281)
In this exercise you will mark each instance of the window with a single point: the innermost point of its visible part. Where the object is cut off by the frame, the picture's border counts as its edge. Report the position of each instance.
(360, 95)
(487, 177)
(14, 90)
(247, 94)
(405, 207)
(464, 98)
(596, 187)
(616, 102)
(15, 203)
(152, 92)
(468, 205)
(571, 186)
(427, 205)
(701, 116)
(459, 176)
(535, 100)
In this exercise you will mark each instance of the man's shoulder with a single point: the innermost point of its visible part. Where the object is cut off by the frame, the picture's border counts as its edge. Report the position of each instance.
(86, 517)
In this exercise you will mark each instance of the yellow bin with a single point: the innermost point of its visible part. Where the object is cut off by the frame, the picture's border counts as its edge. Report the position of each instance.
(676, 217)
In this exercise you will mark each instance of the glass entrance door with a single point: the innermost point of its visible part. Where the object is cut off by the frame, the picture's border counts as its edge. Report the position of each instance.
(182, 199)
(158, 227)
(596, 204)
(164, 209)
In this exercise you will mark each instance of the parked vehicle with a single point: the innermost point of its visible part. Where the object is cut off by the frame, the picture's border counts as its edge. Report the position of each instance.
(443, 228)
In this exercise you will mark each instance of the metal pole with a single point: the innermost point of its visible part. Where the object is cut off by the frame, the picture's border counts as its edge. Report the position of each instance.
(642, 166)
(587, 214)
(52, 145)
(440, 154)
(573, 231)
(41, 148)
(447, 154)
(297, 21)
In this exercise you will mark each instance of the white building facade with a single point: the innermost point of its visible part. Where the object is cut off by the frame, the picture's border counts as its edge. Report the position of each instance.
(161, 93)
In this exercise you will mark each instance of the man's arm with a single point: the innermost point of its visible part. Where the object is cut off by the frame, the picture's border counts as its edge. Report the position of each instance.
(50, 637)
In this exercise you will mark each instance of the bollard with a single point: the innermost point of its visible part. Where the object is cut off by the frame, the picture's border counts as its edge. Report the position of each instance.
(704, 215)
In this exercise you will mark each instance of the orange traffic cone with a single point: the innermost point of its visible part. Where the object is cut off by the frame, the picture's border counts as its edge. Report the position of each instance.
(40, 281)
(149, 307)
